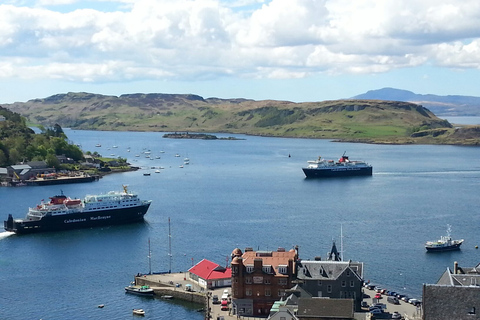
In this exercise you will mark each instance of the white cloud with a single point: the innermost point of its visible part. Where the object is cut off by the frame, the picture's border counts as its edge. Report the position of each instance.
(188, 39)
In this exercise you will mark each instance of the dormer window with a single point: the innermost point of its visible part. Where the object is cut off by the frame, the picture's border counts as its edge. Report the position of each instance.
(250, 269)
(282, 269)
(267, 269)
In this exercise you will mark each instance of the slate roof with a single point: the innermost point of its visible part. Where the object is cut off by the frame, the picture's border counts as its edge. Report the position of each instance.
(327, 270)
(325, 307)
(3, 171)
(441, 302)
(464, 277)
(20, 166)
(208, 270)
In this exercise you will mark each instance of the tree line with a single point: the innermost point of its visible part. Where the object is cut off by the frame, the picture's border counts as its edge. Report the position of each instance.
(19, 143)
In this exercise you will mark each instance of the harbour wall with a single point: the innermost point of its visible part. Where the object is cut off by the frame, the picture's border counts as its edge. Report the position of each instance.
(162, 289)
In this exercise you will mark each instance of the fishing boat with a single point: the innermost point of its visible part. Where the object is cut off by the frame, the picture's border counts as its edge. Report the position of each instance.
(445, 243)
(64, 213)
(344, 167)
(140, 290)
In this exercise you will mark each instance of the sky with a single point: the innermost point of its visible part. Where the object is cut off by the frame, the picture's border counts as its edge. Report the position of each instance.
(296, 50)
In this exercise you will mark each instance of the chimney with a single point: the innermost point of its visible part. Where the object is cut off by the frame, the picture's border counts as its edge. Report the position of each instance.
(455, 267)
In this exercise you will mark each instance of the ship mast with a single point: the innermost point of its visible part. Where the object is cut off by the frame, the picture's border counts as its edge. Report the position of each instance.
(149, 258)
(169, 246)
(341, 242)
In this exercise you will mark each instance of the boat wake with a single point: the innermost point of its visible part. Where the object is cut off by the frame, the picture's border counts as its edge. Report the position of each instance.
(6, 234)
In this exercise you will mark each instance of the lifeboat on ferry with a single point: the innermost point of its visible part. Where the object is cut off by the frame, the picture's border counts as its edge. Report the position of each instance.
(72, 202)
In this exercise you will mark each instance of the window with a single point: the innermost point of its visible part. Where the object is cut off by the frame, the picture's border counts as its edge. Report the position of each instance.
(344, 283)
(249, 269)
(248, 292)
(281, 293)
(267, 269)
(319, 283)
(352, 283)
(282, 269)
(268, 292)
(329, 288)
(267, 281)
(348, 273)
(282, 282)
(248, 280)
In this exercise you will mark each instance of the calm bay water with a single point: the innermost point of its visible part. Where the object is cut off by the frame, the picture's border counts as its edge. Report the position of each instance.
(244, 193)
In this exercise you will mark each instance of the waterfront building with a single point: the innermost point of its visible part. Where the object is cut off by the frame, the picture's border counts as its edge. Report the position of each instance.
(209, 275)
(456, 295)
(332, 278)
(259, 278)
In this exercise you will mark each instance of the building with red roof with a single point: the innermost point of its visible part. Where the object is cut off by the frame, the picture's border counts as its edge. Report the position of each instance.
(210, 275)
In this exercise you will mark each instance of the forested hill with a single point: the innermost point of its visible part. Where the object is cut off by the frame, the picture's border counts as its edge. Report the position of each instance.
(20, 143)
(348, 120)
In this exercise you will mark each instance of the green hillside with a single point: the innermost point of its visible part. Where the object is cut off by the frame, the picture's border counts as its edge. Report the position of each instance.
(371, 121)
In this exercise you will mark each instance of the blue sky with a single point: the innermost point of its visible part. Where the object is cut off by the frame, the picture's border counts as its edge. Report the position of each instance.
(297, 50)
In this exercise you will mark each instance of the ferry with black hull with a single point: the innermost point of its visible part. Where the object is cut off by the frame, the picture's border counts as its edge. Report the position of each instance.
(64, 213)
(322, 168)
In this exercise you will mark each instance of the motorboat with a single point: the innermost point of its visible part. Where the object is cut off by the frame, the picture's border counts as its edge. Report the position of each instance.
(139, 312)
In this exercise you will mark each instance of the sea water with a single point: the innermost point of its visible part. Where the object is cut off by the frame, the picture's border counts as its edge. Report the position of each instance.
(241, 193)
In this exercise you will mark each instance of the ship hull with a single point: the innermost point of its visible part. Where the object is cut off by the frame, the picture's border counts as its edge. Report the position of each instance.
(78, 220)
(446, 248)
(337, 172)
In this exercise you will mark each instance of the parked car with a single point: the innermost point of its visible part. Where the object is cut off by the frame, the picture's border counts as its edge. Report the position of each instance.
(393, 300)
(224, 306)
(364, 304)
(378, 296)
(396, 315)
(376, 311)
(370, 286)
(215, 299)
(378, 289)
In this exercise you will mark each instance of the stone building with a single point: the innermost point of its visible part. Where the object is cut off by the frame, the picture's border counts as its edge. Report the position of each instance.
(259, 278)
(332, 278)
(456, 295)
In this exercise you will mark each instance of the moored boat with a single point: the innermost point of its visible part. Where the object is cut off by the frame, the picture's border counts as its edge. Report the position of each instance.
(64, 213)
(344, 167)
(139, 312)
(445, 243)
(140, 290)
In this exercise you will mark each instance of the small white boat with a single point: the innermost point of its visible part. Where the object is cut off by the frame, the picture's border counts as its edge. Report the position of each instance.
(98, 145)
(139, 312)
(181, 166)
(157, 171)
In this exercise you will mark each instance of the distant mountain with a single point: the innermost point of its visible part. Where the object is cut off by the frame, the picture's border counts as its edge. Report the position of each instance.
(372, 121)
(451, 105)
